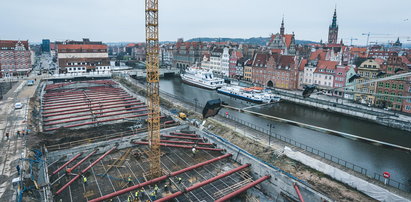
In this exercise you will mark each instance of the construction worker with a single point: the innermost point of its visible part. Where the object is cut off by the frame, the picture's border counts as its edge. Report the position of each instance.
(194, 150)
(153, 196)
(18, 169)
(7, 136)
(156, 189)
(129, 180)
(142, 194)
(85, 180)
(166, 187)
(18, 133)
(136, 194)
(129, 198)
(179, 179)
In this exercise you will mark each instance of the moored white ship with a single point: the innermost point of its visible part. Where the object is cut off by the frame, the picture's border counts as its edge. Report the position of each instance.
(202, 78)
(252, 94)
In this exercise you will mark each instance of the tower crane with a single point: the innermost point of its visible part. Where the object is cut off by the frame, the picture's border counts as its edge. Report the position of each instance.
(153, 101)
(372, 34)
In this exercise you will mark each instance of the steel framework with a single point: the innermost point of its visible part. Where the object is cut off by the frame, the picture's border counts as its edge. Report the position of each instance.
(153, 101)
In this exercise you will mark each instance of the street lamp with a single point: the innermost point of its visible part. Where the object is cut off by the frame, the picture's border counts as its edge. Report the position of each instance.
(271, 126)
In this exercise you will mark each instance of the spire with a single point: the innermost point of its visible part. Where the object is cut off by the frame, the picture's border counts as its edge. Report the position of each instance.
(334, 23)
(282, 27)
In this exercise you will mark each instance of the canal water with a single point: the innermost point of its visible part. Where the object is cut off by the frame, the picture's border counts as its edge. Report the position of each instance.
(372, 157)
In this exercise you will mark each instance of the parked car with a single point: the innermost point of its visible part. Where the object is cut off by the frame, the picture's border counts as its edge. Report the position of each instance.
(18, 105)
(30, 82)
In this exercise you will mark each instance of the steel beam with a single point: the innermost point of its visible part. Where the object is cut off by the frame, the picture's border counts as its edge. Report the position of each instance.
(298, 192)
(80, 162)
(184, 142)
(203, 183)
(243, 189)
(78, 100)
(92, 103)
(164, 177)
(85, 170)
(184, 134)
(68, 162)
(180, 137)
(94, 122)
(106, 106)
(182, 146)
(102, 112)
(88, 118)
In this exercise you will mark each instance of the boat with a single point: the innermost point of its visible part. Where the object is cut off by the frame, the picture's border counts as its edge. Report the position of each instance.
(252, 94)
(202, 78)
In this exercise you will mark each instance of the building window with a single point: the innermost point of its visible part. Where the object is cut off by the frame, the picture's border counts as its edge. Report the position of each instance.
(400, 87)
(380, 84)
(387, 85)
(394, 86)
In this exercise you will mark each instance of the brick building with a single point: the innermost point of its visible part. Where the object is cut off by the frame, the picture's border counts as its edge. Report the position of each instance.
(15, 58)
(368, 70)
(186, 54)
(394, 87)
(82, 56)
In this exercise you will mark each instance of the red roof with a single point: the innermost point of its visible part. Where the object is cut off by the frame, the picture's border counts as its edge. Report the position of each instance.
(260, 59)
(405, 60)
(288, 38)
(379, 60)
(81, 46)
(12, 44)
(286, 61)
(325, 65)
(318, 54)
(131, 45)
(302, 64)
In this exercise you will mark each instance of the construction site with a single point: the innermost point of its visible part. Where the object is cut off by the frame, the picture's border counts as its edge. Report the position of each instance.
(93, 145)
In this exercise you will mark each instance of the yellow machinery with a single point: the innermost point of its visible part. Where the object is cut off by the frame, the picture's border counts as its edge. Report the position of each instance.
(182, 116)
(153, 101)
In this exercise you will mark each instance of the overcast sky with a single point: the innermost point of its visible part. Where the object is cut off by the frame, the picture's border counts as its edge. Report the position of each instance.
(123, 20)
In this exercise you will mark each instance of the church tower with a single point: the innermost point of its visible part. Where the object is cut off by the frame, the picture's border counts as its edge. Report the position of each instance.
(282, 27)
(333, 30)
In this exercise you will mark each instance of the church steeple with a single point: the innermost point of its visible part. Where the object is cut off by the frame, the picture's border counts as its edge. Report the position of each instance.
(282, 27)
(333, 29)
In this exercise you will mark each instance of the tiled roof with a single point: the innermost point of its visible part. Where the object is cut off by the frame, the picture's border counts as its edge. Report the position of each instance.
(325, 65)
(286, 61)
(288, 38)
(405, 60)
(318, 53)
(260, 59)
(81, 46)
(302, 64)
(12, 43)
(379, 60)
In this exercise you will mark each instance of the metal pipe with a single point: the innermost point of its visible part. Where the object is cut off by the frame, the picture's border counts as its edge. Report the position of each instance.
(242, 189)
(188, 138)
(80, 93)
(106, 106)
(103, 112)
(103, 95)
(88, 118)
(203, 183)
(184, 142)
(68, 162)
(93, 122)
(184, 134)
(80, 162)
(92, 103)
(182, 146)
(95, 99)
(164, 177)
(298, 192)
(84, 170)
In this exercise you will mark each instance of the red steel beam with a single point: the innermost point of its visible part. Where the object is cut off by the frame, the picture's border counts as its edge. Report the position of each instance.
(95, 109)
(82, 104)
(198, 185)
(182, 146)
(188, 138)
(242, 189)
(88, 114)
(85, 101)
(80, 162)
(84, 98)
(68, 162)
(80, 89)
(85, 170)
(76, 93)
(93, 122)
(184, 142)
(128, 103)
(88, 118)
(298, 192)
(164, 177)
(184, 134)
(83, 95)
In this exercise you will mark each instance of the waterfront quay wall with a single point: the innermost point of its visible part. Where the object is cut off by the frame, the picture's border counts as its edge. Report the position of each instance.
(375, 116)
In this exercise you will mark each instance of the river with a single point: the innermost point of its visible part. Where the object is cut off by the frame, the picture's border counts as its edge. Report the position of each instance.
(372, 157)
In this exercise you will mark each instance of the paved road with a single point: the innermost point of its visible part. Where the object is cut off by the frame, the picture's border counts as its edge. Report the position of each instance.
(12, 149)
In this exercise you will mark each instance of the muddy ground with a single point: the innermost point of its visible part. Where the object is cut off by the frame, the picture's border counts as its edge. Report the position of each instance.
(320, 182)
